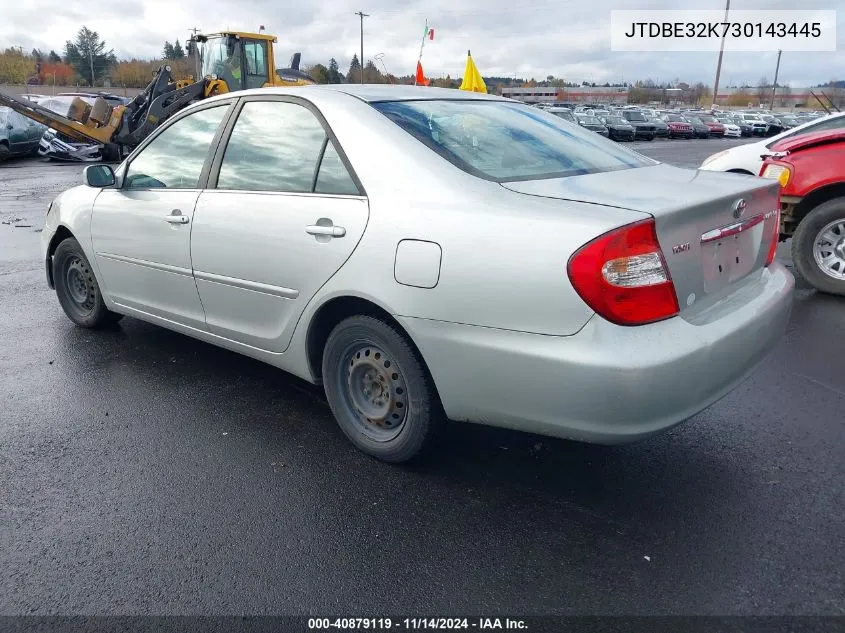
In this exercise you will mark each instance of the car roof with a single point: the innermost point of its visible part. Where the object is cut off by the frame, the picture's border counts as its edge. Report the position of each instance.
(371, 93)
(805, 141)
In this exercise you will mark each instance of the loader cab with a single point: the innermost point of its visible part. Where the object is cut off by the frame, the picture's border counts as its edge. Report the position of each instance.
(245, 60)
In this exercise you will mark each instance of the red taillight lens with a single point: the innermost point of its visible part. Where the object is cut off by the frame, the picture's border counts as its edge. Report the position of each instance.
(773, 247)
(623, 277)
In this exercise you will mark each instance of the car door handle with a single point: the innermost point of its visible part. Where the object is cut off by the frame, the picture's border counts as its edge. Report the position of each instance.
(330, 231)
(176, 217)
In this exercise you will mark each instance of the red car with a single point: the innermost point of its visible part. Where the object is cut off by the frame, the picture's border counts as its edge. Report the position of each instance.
(716, 128)
(811, 171)
(678, 128)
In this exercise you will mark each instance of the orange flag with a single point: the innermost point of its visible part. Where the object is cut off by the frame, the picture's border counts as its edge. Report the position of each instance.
(421, 80)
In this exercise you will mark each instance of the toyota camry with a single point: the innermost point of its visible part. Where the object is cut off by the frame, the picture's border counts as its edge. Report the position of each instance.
(430, 255)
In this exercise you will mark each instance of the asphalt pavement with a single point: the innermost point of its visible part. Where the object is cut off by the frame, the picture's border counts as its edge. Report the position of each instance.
(143, 472)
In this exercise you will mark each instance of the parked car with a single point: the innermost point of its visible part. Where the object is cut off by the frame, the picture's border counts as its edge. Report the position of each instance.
(732, 130)
(643, 129)
(563, 113)
(618, 129)
(593, 124)
(678, 126)
(745, 128)
(660, 128)
(716, 128)
(775, 125)
(18, 134)
(746, 159)
(811, 171)
(699, 128)
(788, 121)
(56, 146)
(264, 222)
(759, 127)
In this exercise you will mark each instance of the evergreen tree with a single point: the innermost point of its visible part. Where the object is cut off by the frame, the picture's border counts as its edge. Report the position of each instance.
(54, 58)
(167, 53)
(334, 75)
(354, 74)
(88, 55)
(178, 51)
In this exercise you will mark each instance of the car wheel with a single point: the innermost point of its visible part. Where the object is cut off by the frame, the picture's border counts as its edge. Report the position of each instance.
(77, 288)
(5, 152)
(379, 391)
(818, 247)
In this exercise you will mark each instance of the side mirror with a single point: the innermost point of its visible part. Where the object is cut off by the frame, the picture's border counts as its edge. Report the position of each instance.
(9, 126)
(98, 176)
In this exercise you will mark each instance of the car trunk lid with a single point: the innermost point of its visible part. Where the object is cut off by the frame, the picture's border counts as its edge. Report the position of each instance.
(714, 228)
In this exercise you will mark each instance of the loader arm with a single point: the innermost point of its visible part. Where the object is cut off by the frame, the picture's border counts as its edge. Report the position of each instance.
(73, 129)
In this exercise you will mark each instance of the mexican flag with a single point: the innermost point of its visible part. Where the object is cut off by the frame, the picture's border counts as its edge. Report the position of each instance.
(429, 33)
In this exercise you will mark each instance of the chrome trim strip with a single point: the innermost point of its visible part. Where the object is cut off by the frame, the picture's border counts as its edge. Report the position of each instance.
(243, 284)
(176, 270)
(731, 229)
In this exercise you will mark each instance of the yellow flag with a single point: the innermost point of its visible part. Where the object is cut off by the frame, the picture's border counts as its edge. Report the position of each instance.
(472, 78)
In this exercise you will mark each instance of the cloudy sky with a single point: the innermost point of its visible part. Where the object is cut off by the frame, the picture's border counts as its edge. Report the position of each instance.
(564, 38)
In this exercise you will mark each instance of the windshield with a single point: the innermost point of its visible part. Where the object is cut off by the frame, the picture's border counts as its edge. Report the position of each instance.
(589, 120)
(507, 141)
(615, 120)
(707, 119)
(221, 57)
(565, 114)
(674, 118)
(634, 116)
(694, 121)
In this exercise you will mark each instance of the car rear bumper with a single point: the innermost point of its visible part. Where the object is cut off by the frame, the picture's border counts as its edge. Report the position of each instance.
(607, 384)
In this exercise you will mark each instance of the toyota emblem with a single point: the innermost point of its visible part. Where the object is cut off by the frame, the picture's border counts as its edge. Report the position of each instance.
(739, 207)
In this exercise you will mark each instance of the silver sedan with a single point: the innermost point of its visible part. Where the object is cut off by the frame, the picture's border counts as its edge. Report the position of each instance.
(430, 255)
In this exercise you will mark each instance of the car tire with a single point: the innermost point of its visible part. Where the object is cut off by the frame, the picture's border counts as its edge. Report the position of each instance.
(77, 288)
(5, 152)
(379, 390)
(808, 253)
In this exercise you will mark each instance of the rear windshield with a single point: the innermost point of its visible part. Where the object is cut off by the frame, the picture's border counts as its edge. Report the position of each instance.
(634, 116)
(504, 142)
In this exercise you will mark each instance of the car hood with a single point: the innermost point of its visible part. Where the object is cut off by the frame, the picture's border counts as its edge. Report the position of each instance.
(804, 141)
(646, 189)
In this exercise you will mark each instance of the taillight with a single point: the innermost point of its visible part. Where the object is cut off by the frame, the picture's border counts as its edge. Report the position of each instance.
(773, 246)
(623, 277)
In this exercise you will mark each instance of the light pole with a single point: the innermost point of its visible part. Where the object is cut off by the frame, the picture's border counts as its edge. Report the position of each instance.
(362, 15)
(775, 83)
(721, 52)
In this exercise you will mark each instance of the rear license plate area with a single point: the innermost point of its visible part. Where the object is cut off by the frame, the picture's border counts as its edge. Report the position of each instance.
(731, 258)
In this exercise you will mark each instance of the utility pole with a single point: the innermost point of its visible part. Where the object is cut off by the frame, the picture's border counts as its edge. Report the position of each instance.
(362, 15)
(775, 83)
(721, 52)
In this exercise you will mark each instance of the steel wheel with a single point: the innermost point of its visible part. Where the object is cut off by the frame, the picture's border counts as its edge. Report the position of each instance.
(81, 288)
(829, 250)
(375, 391)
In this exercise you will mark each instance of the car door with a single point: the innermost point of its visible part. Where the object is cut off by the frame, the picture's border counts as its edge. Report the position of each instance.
(141, 229)
(18, 128)
(282, 212)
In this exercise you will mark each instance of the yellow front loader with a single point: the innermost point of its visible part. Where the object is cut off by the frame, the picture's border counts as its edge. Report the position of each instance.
(230, 61)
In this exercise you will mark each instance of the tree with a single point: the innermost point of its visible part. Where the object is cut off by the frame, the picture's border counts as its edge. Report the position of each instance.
(88, 55)
(319, 72)
(334, 72)
(37, 55)
(178, 51)
(372, 75)
(15, 67)
(354, 74)
(57, 74)
(763, 89)
(168, 52)
(54, 58)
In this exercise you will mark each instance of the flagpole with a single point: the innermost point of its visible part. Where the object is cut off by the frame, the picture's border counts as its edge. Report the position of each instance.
(422, 45)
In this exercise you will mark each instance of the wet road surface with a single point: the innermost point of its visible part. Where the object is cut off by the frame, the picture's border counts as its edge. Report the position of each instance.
(146, 472)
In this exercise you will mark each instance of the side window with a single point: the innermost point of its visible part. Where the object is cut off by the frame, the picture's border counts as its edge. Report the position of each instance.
(274, 146)
(256, 63)
(333, 176)
(175, 158)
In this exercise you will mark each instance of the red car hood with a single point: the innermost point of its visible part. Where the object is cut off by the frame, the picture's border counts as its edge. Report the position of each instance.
(803, 141)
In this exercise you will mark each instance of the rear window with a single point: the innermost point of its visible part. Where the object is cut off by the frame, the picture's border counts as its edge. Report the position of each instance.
(504, 142)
